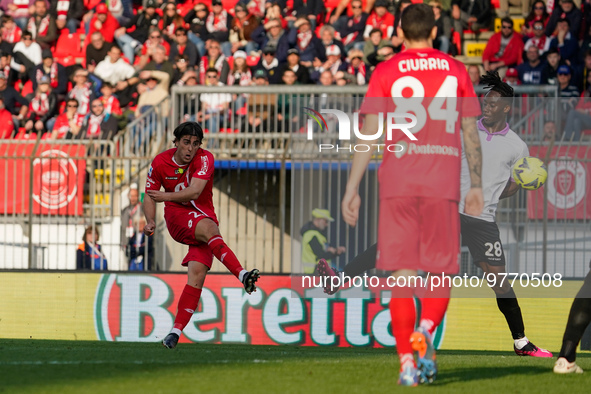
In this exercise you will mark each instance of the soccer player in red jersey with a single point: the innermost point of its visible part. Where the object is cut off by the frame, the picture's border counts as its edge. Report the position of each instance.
(186, 174)
(419, 223)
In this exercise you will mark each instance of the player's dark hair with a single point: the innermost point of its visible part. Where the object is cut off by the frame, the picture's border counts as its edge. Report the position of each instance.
(495, 84)
(417, 21)
(188, 128)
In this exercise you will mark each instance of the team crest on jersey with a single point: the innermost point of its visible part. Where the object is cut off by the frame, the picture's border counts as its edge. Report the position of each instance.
(179, 171)
(204, 165)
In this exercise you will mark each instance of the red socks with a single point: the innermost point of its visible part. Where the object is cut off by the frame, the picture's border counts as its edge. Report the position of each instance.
(224, 254)
(186, 307)
(433, 309)
(402, 311)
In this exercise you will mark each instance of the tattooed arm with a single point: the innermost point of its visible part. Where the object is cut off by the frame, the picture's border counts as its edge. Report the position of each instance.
(474, 199)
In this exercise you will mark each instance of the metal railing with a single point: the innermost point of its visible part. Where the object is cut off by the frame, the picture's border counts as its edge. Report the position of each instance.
(48, 187)
(143, 138)
(269, 177)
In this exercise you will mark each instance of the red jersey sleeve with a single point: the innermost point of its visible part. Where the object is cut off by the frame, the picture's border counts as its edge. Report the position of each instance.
(154, 179)
(203, 167)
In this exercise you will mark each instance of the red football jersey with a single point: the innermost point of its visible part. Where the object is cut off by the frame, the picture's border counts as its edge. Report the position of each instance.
(62, 125)
(165, 172)
(437, 90)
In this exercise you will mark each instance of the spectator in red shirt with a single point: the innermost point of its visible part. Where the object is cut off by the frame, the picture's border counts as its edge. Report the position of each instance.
(170, 21)
(537, 13)
(512, 77)
(11, 33)
(503, 50)
(81, 91)
(381, 19)
(98, 124)
(42, 108)
(218, 24)
(18, 10)
(6, 123)
(155, 39)
(68, 122)
(110, 102)
(104, 22)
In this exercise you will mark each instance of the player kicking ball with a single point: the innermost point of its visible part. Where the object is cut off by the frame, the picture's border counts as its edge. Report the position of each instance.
(419, 223)
(501, 149)
(186, 174)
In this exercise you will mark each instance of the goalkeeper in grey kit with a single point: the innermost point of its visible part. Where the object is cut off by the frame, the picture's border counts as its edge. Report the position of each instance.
(501, 149)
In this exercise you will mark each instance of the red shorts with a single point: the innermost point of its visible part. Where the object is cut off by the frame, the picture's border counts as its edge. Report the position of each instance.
(181, 222)
(419, 233)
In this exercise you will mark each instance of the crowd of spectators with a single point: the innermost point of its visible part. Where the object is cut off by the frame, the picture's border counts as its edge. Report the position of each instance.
(552, 48)
(134, 51)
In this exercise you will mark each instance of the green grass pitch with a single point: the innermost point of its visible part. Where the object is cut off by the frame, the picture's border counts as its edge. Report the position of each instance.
(38, 366)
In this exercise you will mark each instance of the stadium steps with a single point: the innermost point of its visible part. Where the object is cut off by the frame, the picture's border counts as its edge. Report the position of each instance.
(469, 60)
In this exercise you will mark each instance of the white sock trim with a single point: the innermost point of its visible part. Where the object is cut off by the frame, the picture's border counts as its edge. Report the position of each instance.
(241, 275)
(176, 331)
(214, 238)
(406, 359)
(427, 324)
(521, 342)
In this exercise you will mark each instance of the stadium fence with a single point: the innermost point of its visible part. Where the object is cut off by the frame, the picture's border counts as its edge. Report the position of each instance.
(269, 176)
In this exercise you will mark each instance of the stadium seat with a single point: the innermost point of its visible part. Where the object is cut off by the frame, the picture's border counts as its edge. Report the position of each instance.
(27, 88)
(457, 41)
(22, 135)
(517, 23)
(68, 50)
(90, 4)
(252, 61)
(227, 4)
(183, 9)
(474, 48)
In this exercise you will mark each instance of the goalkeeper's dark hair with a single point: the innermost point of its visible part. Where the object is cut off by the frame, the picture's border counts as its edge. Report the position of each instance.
(495, 84)
(188, 128)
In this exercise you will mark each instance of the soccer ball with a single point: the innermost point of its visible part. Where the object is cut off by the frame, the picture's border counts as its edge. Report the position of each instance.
(530, 173)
